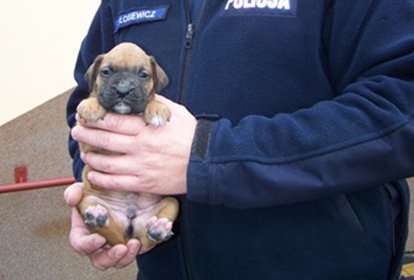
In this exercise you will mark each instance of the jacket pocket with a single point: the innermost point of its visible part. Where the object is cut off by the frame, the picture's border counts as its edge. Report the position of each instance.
(348, 213)
(369, 213)
(392, 197)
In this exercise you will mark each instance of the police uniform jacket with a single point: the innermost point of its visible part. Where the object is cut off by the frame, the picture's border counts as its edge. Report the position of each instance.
(305, 132)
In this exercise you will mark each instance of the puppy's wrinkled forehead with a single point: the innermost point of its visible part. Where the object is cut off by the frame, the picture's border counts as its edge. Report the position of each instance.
(127, 56)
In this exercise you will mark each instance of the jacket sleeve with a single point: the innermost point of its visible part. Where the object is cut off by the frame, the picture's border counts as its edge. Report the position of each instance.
(98, 40)
(362, 138)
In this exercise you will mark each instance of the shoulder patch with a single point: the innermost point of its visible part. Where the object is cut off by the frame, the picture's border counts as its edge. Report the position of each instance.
(140, 15)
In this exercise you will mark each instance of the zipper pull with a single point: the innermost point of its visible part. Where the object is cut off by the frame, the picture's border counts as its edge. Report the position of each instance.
(189, 36)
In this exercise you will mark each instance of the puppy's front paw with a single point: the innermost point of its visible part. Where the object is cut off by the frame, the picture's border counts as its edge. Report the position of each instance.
(156, 114)
(89, 110)
(159, 230)
(95, 216)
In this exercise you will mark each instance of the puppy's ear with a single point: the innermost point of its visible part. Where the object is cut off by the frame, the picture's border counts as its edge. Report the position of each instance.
(92, 73)
(160, 78)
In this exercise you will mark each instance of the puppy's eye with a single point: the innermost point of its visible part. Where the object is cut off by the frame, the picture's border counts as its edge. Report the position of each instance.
(106, 71)
(143, 74)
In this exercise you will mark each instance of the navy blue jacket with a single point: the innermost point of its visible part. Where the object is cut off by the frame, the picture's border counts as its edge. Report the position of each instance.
(307, 132)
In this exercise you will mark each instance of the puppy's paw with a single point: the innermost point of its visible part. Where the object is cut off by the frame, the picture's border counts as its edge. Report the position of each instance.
(156, 114)
(89, 110)
(95, 216)
(159, 230)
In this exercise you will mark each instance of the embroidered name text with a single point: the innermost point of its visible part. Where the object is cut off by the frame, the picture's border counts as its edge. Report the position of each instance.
(140, 16)
(135, 16)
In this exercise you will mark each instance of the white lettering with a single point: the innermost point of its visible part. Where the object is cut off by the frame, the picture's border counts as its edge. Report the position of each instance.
(272, 4)
(136, 16)
(238, 4)
(249, 4)
(228, 4)
(284, 4)
(261, 4)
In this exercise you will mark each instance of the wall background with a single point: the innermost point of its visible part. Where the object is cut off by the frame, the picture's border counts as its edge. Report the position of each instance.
(34, 229)
(38, 50)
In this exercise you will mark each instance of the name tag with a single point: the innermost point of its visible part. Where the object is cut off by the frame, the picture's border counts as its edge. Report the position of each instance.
(140, 16)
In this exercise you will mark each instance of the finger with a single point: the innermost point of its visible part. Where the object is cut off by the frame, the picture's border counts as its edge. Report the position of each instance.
(116, 182)
(133, 246)
(123, 124)
(81, 240)
(102, 139)
(110, 163)
(73, 194)
(107, 258)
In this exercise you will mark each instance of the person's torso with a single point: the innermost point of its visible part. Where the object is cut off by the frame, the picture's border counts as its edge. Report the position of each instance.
(236, 58)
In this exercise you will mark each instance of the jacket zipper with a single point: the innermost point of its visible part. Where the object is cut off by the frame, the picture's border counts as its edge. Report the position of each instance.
(187, 57)
(189, 37)
(187, 46)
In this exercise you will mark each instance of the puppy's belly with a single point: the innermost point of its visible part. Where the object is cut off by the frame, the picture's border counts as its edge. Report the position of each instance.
(131, 211)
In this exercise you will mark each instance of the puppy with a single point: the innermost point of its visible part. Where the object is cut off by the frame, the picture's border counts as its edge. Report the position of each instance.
(124, 81)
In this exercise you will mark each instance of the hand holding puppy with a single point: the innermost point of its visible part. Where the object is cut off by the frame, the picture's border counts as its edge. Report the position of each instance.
(157, 166)
(145, 165)
(94, 246)
(146, 159)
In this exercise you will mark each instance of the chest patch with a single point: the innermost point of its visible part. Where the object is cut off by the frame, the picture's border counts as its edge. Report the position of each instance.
(261, 7)
(140, 16)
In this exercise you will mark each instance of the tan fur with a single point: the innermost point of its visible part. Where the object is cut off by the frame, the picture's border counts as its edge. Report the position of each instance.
(124, 56)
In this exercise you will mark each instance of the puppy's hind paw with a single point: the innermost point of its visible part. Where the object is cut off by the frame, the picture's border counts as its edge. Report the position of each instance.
(95, 216)
(159, 230)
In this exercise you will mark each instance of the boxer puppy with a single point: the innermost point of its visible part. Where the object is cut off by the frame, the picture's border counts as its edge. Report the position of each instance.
(125, 81)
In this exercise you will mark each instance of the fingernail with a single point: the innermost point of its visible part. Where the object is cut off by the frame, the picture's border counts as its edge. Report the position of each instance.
(83, 157)
(98, 241)
(74, 132)
(119, 253)
(134, 246)
(65, 195)
(91, 176)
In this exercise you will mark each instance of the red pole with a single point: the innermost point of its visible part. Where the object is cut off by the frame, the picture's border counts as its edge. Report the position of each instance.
(36, 185)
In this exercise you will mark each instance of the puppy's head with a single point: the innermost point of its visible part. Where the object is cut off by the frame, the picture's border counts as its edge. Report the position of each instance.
(125, 79)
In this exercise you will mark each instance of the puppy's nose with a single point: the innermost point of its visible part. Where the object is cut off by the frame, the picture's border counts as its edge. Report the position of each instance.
(123, 88)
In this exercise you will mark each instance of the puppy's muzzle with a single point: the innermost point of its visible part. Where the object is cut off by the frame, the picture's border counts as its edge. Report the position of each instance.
(123, 93)
(124, 87)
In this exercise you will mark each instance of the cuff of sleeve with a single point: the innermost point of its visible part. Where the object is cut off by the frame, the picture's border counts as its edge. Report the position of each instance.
(198, 180)
(201, 139)
(200, 188)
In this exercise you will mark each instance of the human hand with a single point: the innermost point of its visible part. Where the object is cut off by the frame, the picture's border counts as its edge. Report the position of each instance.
(94, 245)
(145, 158)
